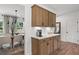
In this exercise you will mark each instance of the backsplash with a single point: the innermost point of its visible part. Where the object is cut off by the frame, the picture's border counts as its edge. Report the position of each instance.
(45, 30)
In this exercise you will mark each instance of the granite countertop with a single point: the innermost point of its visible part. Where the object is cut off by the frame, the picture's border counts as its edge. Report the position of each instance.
(45, 36)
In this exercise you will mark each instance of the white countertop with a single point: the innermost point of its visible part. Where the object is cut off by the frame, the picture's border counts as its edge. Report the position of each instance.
(45, 36)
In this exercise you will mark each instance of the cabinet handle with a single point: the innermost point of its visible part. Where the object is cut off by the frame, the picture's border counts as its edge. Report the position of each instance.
(43, 40)
(47, 44)
(42, 23)
(52, 24)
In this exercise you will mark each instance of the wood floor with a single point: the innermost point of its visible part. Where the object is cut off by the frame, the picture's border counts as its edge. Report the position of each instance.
(12, 51)
(68, 48)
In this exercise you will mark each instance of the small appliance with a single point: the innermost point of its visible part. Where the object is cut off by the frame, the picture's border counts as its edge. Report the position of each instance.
(39, 33)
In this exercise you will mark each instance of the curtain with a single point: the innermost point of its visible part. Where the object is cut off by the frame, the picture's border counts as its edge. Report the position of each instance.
(6, 24)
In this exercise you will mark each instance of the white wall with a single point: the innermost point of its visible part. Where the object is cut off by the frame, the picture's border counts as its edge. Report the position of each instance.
(28, 29)
(69, 24)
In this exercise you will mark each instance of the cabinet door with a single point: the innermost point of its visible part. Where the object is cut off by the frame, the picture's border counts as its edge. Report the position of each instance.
(43, 47)
(39, 16)
(52, 19)
(45, 17)
(55, 44)
(49, 44)
(35, 46)
(59, 42)
(46, 46)
(52, 46)
(36, 16)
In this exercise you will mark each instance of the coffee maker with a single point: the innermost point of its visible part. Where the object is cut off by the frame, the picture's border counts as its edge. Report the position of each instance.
(39, 33)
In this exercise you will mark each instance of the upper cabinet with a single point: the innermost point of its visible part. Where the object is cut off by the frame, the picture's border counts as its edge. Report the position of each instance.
(45, 18)
(36, 16)
(52, 19)
(42, 17)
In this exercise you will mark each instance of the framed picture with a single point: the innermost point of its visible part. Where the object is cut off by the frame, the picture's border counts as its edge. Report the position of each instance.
(58, 28)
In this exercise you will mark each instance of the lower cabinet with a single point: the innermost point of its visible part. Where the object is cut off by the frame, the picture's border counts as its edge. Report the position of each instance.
(46, 46)
(35, 46)
(59, 42)
(55, 45)
(52, 45)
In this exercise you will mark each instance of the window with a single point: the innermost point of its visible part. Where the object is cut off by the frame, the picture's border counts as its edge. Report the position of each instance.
(1, 27)
(19, 25)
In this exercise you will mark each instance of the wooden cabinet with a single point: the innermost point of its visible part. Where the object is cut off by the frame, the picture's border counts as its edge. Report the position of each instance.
(35, 46)
(46, 46)
(42, 17)
(59, 42)
(52, 19)
(51, 45)
(55, 44)
(36, 16)
(45, 18)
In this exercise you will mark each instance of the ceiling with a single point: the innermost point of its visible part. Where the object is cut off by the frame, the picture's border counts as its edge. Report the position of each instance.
(61, 9)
